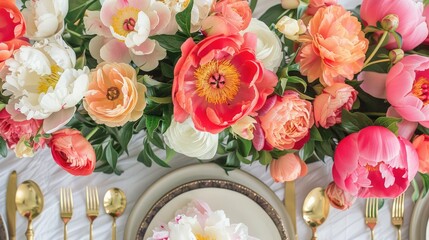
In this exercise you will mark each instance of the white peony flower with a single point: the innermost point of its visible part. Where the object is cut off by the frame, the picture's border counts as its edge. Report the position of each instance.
(290, 4)
(269, 47)
(43, 83)
(290, 27)
(185, 139)
(44, 18)
(244, 127)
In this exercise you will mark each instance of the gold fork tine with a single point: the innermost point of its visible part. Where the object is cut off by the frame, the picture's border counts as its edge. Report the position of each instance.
(371, 212)
(66, 207)
(92, 205)
(398, 213)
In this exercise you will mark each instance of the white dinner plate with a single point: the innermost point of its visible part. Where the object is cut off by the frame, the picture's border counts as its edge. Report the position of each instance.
(192, 173)
(419, 219)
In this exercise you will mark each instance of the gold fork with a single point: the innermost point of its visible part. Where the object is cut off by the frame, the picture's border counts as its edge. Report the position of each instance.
(66, 207)
(92, 204)
(398, 213)
(371, 212)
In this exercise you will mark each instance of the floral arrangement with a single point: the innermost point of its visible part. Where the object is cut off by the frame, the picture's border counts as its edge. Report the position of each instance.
(198, 221)
(207, 79)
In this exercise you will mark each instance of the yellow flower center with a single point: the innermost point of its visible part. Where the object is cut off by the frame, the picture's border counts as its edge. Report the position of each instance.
(217, 81)
(124, 20)
(50, 80)
(421, 89)
(203, 237)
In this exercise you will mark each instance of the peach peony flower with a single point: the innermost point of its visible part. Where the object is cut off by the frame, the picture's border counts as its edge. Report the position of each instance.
(329, 104)
(412, 26)
(286, 125)
(72, 152)
(288, 168)
(12, 22)
(335, 48)
(338, 198)
(374, 162)
(421, 143)
(114, 96)
(219, 81)
(407, 87)
(315, 5)
(228, 17)
(7, 49)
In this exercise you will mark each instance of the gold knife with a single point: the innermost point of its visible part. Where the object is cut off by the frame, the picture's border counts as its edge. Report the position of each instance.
(11, 206)
(290, 204)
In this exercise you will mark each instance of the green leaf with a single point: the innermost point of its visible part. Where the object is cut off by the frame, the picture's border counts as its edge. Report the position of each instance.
(324, 148)
(111, 155)
(315, 134)
(242, 159)
(98, 149)
(426, 2)
(156, 140)
(171, 43)
(170, 153)
(306, 151)
(183, 19)
(398, 39)
(231, 146)
(253, 4)
(380, 203)
(298, 80)
(244, 146)
(389, 123)
(3, 147)
(425, 180)
(152, 123)
(232, 160)
(2, 105)
(81, 61)
(161, 100)
(143, 158)
(152, 155)
(416, 194)
(354, 122)
(272, 14)
(167, 70)
(125, 135)
(265, 157)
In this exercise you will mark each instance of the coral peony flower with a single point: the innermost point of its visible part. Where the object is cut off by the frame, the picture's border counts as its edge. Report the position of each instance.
(421, 143)
(374, 163)
(287, 124)
(335, 48)
(12, 24)
(338, 198)
(114, 96)
(45, 18)
(268, 46)
(72, 152)
(123, 28)
(227, 17)
(13, 131)
(412, 26)
(407, 88)
(43, 83)
(315, 5)
(185, 139)
(287, 168)
(426, 15)
(219, 81)
(330, 103)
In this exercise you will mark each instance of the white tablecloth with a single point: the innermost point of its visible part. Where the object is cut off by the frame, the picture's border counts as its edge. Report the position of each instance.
(42, 169)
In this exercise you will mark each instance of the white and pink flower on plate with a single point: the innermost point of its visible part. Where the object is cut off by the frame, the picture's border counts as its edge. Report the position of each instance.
(123, 29)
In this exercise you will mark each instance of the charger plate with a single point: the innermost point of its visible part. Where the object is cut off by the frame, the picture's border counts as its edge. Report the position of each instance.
(419, 228)
(184, 177)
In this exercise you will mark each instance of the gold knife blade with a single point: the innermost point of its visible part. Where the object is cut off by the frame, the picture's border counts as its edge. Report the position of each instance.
(290, 204)
(11, 206)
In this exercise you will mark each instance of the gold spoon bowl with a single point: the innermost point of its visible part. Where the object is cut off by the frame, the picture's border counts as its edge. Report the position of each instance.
(114, 203)
(315, 209)
(29, 203)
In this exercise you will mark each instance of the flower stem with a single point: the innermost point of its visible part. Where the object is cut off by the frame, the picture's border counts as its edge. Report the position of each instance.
(92, 133)
(378, 61)
(380, 42)
(419, 53)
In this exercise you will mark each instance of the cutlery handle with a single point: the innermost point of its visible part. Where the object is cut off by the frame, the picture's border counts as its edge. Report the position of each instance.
(29, 233)
(90, 231)
(65, 231)
(114, 229)
(372, 234)
(399, 234)
(314, 236)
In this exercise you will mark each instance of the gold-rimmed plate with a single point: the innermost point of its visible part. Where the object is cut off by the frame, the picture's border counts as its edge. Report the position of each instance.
(240, 204)
(197, 172)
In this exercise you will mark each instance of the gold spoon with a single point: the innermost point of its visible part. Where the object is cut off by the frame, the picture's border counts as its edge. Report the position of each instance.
(114, 202)
(315, 209)
(29, 203)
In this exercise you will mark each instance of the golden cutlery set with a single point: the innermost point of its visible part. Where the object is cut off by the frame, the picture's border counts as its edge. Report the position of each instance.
(28, 200)
(316, 207)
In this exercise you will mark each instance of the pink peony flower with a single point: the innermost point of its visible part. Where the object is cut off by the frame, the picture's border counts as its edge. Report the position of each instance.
(287, 168)
(13, 131)
(228, 17)
(338, 198)
(329, 104)
(287, 124)
(412, 26)
(421, 143)
(72, 152)
(334, 48)
(12, 22)
(374, 163)
(407, 87)
(219, 81)
(426, 14)
(373, 83)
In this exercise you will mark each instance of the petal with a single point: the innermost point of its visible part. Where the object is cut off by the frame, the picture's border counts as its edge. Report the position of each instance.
(57, 120)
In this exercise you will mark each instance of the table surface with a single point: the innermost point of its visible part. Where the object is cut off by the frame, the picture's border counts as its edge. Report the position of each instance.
(42, 169)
